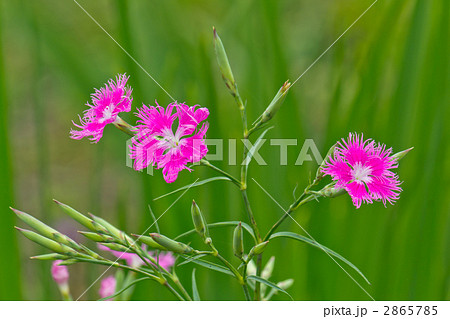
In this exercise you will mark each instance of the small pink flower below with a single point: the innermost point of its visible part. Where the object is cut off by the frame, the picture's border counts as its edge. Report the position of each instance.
(60, 274)
(363, 169)
(107, 287)
(156, 143)
(107, 103)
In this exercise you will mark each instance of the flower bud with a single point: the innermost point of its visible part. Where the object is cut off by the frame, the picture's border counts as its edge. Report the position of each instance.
(60, 274)
(276, 103)
(107, 287)
(96, 237)
(47, 243)
(258, 249)
(80, 218)
(52, 256)
(198, 220)
(44, 229)
(224, 65)
(238, 243)
(398, 156)
(170, 244)
(149, 242)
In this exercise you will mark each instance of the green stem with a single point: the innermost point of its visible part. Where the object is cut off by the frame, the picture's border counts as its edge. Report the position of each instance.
(301, 201)
(124, 126)
(233, 179)
(258, 273)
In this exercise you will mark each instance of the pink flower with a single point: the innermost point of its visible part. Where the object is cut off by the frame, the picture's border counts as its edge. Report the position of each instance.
(363, 169)
(157, 144)
(60, 274)
(166, 260)
(107, 103)
(107, 287)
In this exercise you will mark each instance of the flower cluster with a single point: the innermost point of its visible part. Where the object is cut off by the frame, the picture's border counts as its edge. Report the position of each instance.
(155, 142)
(363, 169)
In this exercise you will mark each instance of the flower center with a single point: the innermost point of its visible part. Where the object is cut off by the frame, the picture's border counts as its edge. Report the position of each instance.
(107, 112)
(170, 140)
(361, 173)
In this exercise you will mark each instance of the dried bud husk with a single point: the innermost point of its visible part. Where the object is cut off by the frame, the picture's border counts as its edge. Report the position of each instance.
(80, 218)
(47, 243)
(199, 221)
(285, 284)
(224, 65)
(398, 156)
(171, 244)
(268, 268)
(238, 242)
(276, 103)
(149, 242)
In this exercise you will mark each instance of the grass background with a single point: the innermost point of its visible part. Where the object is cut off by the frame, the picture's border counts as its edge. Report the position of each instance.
(389, 77)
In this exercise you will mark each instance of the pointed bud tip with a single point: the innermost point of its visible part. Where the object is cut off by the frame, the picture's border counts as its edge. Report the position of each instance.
(16, 211)
(57, 202)
(214, 31)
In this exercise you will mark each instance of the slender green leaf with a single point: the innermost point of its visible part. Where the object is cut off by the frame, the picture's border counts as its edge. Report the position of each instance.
(320, 246)
(269, 284)
(123, 289)
(195, 294)
(188, 260)
(210, 265)
(255, 146)
(199, 183)
(221, 224)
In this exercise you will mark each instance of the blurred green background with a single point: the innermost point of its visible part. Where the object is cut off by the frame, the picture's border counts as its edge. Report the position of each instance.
(388, 77)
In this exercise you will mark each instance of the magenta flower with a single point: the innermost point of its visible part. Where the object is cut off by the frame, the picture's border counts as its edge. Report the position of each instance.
(107, 287)
(156, 143)
(107, 103)
(165, 260)
(363, 169)
(60, 274)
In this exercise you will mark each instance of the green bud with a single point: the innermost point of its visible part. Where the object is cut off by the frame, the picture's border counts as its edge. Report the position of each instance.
(110, 229)
(199, 221)
(251, 268)
(47, 243)
(52, 256)
(68, 262)
(90, 252)
(258, 249)
(116, 247)
(44, 229)
(149, 242)
(238, 243)
(96, 237)
(224, 65)
(276, 103)
(268, 268)
(398, 156)
(80, 218)
(171, 244)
